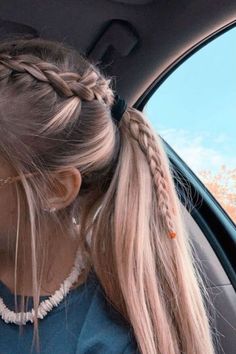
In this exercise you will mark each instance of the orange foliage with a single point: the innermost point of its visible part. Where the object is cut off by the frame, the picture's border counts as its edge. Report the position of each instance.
(223, 187)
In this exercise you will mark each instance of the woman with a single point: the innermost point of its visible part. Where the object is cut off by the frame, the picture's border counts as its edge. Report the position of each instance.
(94, 253)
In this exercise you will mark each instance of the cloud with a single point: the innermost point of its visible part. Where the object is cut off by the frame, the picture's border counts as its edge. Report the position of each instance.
(196, 150)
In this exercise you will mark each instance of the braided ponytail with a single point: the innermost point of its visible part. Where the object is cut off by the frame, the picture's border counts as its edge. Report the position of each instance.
(159, 281)
(150, 144)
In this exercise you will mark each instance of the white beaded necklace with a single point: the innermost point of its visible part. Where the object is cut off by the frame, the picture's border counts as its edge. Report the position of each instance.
(46, 305)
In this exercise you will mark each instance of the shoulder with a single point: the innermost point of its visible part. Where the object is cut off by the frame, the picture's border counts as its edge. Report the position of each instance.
(104, 330)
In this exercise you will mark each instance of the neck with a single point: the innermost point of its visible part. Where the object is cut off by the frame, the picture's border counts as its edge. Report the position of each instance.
(55, 260)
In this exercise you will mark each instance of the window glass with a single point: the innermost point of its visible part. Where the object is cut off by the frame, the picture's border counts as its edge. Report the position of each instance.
(194, 110)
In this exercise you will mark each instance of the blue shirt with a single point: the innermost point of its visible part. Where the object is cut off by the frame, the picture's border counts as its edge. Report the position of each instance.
(84, 322)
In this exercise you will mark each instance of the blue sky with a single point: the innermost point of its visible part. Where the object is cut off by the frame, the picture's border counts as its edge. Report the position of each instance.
(195, 108)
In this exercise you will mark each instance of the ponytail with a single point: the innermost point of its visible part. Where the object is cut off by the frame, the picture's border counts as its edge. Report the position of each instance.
(145, 263)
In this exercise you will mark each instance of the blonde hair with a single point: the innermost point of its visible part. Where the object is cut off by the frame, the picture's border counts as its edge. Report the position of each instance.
(60, 116)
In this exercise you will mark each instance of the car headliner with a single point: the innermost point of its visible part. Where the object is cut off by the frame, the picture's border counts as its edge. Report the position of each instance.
(148, 37)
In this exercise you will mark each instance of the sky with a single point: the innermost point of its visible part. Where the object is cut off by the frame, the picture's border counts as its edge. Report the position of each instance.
(194, 110)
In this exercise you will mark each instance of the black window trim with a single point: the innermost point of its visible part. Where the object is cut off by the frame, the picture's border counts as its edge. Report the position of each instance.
(214, 222)
(212, 219)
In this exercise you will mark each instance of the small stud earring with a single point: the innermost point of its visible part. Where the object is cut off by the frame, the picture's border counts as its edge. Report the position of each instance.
(76, 220)
(50, 210)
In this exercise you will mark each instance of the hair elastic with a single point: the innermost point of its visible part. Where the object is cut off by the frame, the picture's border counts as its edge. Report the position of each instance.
(118, 108)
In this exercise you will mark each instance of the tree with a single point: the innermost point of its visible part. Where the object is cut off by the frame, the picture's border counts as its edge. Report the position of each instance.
(222, 185)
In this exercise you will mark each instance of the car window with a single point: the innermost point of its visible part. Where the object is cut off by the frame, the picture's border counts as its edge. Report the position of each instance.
(194, 110)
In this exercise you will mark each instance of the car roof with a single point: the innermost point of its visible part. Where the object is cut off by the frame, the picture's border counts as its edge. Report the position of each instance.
(136, 41)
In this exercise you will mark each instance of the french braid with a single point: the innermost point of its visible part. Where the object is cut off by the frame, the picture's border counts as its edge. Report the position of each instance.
(89, 86)
(142, 133)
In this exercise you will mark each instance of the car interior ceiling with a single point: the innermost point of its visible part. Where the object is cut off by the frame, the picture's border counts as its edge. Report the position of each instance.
(146, 36)
(149, 37)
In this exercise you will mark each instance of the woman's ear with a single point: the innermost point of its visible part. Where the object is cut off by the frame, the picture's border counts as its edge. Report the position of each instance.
(66, 186)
